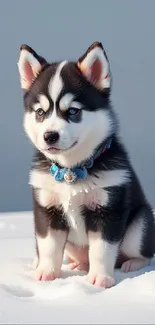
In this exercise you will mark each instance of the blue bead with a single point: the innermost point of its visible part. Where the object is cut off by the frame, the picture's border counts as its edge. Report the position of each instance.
(81, 173)
(53, 169)
(59, 175)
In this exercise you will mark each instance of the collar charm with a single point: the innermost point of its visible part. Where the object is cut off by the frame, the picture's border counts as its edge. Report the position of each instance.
(71, 175)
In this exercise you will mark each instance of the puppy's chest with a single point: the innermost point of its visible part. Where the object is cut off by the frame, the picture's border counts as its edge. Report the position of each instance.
(75, 217)
(72, 203)
(72, 198)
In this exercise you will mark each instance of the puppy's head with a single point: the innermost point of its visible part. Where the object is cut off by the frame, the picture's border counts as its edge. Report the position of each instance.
(67, 108)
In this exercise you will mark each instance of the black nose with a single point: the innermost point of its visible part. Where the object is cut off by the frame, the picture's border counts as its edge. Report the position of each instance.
(51, 137)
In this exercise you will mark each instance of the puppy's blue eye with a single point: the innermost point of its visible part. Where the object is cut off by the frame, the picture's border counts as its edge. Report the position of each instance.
(40, 112)
(73, 111)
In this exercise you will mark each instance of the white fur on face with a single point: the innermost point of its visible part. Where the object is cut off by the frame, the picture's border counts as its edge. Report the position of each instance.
(93, 128)
(67, 101)
(45, 104)
(56, 83)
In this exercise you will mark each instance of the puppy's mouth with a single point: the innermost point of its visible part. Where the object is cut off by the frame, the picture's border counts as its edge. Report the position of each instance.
(55, 149)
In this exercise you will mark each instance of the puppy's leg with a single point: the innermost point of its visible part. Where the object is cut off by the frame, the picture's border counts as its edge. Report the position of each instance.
(102, 258)
(51, 235)
(51, 250)
(139, 241)
(105, 228)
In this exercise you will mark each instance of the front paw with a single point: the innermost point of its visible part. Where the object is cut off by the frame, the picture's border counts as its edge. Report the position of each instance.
(46, 273)
(101, 280)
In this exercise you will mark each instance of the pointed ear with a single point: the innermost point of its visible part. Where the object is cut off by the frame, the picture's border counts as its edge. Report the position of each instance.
(29, 65)
(94, 65)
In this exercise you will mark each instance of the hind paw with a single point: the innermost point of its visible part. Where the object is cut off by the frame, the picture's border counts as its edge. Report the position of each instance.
(78, 266)
(134, 264)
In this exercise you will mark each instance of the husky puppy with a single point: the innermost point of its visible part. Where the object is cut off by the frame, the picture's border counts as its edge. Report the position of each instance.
(88, 201)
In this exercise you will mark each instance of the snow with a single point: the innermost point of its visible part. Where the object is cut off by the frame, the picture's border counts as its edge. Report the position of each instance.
(69, 300)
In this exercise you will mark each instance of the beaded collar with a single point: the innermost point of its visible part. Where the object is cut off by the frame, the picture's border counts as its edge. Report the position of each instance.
(71, 175)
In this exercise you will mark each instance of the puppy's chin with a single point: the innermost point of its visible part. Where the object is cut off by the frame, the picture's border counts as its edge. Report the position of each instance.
(64, 157)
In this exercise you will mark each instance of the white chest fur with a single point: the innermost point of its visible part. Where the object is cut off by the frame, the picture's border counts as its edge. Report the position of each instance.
(89, 192)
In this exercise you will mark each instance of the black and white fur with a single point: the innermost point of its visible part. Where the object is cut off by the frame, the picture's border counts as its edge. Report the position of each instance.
(100, 221)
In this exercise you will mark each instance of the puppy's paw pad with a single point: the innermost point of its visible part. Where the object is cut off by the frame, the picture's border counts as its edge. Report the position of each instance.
(101, 280)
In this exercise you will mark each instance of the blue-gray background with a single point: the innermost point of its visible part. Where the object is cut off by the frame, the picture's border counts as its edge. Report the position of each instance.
(64, 30)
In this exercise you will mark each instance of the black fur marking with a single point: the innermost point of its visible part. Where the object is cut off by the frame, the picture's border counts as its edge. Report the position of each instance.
(74, 82)
(148, 240)
(67, 117)
(76, 118)
(111, 220)
(48, 218)
(110, 223)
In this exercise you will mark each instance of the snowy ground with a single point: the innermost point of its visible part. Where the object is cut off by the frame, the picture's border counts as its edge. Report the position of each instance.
(69, 300)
